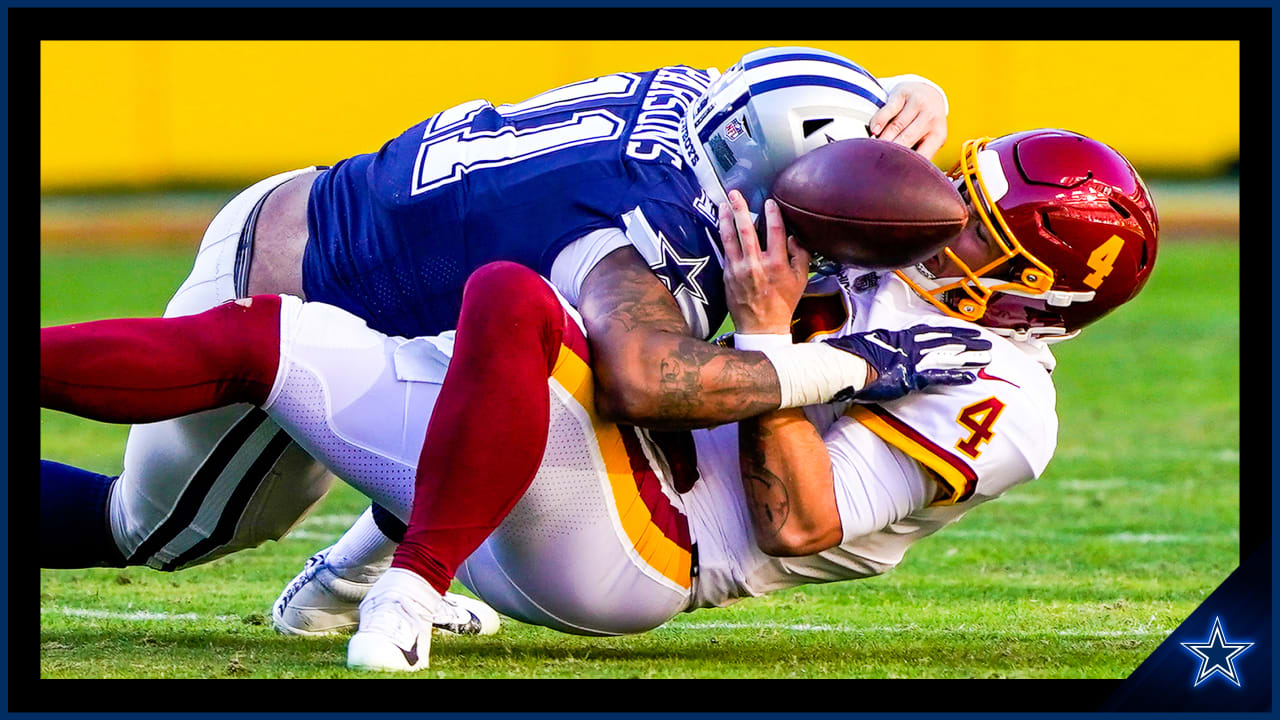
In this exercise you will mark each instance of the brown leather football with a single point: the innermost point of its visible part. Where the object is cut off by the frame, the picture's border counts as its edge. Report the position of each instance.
(869, 203)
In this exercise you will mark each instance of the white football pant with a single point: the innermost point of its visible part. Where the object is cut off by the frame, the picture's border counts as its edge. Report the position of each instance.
(599, 544)
(204, 485)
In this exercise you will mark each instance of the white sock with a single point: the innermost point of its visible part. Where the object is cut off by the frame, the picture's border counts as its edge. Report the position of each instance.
(409, 584)
(363, 552)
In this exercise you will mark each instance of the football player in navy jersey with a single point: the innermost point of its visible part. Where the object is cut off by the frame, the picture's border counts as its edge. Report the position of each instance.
(608, 188)
(620, 530)
(838, 490)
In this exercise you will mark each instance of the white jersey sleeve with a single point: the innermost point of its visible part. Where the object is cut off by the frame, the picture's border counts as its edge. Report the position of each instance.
(579, 258)
(978, 439)
(905, 469)
(875, 484)
(902, 470)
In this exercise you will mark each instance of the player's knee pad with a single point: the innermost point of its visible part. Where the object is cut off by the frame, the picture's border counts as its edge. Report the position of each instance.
(504, 302)
(352, 401)
(508, 290)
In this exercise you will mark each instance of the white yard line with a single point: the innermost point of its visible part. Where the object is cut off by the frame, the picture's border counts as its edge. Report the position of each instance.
(152, 616)
(323, 528)
(339, 521)
(1076, 489)
(1222, 455)
(961, 533)
(135, 616)
(890, 629)
(318, 536)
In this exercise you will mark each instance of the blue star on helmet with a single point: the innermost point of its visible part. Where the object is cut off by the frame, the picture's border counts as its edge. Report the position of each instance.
(1216, 655)
(678, 273)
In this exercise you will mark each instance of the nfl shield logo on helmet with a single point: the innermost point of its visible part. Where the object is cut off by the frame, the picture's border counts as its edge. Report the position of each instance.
(733, 129)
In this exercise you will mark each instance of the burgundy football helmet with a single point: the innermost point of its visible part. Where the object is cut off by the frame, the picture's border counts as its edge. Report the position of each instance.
(1075, 226)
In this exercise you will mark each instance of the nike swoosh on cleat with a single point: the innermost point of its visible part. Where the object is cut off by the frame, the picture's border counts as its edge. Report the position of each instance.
(410, 655)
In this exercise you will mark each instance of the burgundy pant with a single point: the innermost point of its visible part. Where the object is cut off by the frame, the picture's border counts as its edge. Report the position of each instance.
(141, 370)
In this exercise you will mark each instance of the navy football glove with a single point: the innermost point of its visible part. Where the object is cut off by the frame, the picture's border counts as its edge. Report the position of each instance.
(914, 359)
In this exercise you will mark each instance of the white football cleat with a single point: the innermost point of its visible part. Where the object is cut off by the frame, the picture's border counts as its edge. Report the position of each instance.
(462, 615)
(319, 602)
(395, 630)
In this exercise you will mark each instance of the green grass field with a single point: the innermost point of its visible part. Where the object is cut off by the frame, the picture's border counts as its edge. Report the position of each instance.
(1080, 574)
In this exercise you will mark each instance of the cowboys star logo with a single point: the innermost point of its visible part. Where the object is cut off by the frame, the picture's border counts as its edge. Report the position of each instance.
(1217, 655)
(679, 274)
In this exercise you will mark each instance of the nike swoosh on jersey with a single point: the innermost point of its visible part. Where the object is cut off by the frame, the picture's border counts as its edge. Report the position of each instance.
(982, 373)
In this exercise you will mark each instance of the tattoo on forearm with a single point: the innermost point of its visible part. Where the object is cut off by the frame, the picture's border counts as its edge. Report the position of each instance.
(767, 496)
(698, 379)
(646, 313)
(636, 301)
(679, 385)
(697, 383)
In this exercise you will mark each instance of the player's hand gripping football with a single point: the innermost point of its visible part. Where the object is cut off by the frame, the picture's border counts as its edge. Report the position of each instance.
(914, 359)
(762, 285)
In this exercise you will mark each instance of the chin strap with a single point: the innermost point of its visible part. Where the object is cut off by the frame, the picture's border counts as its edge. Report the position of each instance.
(924, 284)
(1046, 335)
(1056, 298)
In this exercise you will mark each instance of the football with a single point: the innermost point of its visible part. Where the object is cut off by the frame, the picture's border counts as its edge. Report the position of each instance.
(870, 203)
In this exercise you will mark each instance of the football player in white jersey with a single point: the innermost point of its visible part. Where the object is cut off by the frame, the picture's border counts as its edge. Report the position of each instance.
(603, 501)
(1064, 232)
(621, 529)
(377, 234)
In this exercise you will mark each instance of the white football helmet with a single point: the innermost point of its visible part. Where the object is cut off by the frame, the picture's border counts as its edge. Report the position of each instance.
(771, 107)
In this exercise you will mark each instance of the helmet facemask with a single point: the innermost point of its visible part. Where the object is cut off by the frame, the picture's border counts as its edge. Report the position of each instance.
(1013, 270)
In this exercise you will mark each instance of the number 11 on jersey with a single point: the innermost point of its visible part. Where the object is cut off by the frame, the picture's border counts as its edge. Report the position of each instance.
(543, 124)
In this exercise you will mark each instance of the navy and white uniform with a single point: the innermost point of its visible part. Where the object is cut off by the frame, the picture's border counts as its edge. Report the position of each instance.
(395, 234)
(555, 183)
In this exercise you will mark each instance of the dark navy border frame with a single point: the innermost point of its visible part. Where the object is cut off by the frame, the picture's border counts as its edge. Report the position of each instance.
(25, 23)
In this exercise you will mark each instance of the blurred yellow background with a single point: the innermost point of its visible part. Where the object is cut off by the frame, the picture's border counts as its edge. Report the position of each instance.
(143, 113)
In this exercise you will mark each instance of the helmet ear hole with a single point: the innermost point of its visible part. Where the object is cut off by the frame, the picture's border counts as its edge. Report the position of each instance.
(1044, 223)
(813, 125)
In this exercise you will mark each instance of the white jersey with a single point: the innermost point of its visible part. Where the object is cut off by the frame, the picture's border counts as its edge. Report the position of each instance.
(903, 469)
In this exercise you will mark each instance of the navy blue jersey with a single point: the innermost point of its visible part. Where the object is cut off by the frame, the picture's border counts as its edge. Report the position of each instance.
(395, 234)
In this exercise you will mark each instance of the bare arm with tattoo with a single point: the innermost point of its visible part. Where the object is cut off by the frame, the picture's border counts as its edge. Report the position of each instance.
(786, 471)
(790, 489)
(649, 370)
